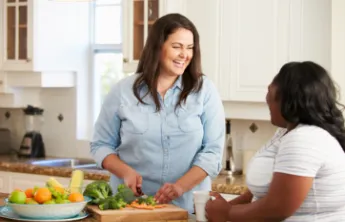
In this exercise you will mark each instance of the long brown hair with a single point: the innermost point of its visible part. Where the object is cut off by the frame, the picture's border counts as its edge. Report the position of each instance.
(148, 67)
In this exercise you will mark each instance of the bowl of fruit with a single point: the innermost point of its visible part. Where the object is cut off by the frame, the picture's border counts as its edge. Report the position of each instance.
(52, 201)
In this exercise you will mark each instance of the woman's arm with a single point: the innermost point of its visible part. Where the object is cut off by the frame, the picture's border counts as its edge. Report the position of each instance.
(192, 178)
(285, 196)
(116, 166)
(106, 135)
(299, 158)
(213, 120)
(242, 199)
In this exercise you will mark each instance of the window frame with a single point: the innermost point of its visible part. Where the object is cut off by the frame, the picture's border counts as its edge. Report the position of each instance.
(99, 48)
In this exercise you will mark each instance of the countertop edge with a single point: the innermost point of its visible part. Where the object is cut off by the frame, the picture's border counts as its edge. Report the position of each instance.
(222, 184)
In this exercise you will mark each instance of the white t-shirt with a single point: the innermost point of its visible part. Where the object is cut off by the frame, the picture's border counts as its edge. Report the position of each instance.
(304, 151)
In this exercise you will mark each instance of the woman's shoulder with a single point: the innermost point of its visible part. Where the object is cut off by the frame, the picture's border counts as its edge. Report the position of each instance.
(124, 84)
(310, 134)
(208, 86)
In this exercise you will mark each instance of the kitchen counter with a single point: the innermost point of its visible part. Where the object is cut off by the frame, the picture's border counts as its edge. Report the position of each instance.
(222, 184)
(88, 219)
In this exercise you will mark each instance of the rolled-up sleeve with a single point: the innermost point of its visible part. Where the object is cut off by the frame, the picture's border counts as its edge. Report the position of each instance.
(106, 136)
(209, 158)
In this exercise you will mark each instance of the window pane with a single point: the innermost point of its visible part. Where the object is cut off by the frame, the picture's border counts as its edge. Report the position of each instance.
(108, 70)
(108, 25)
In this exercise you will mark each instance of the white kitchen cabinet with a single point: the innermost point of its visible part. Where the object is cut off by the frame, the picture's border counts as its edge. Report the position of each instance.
(43, 36)
(258, 37)
(244, 43)
(10, 181)
(338, 45)
(138, 18)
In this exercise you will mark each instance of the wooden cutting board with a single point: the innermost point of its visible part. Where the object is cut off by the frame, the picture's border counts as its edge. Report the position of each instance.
(170, 213)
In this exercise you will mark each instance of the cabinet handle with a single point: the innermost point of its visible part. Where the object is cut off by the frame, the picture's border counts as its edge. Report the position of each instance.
(125, 60)
(28, 60)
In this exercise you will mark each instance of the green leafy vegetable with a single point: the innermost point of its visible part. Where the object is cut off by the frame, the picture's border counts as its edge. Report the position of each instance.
(98, 190)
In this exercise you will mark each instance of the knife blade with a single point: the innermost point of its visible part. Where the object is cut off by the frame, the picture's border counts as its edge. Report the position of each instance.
(141, 193)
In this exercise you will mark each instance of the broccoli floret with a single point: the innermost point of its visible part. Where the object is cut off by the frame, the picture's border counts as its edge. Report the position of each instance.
(125, 193)
(98, 190)
(117, 203)
(148, 200)
(111, 203)
(104, 205)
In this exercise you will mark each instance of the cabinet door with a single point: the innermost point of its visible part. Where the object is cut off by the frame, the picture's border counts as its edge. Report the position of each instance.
(254, 44)
(338, 45)
(138, 18)
(17, 32)
(258, 37)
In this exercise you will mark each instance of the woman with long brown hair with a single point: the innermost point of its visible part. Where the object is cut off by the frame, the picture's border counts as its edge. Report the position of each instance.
(162, 129)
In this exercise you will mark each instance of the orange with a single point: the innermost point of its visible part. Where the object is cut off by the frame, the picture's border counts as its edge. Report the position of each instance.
(42, 195)
(76, 197)
(29, 192)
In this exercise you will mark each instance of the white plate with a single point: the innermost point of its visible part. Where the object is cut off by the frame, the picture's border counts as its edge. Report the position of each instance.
(6, 212)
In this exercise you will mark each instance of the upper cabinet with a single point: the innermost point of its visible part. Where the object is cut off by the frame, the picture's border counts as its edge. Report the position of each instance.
(258, 37)
(16, 32)
(338, 45)
(43, 35)
(138, 18)
(244, 43)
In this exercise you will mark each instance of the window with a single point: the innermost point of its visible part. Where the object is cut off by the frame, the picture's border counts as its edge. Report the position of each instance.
(106, 49)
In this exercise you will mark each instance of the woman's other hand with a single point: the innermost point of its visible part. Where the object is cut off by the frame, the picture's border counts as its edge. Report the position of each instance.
(133, 180)
(217, 209)
(168, 192)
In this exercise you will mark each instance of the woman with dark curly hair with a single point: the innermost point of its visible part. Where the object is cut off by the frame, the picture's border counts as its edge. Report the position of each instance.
(299, 175)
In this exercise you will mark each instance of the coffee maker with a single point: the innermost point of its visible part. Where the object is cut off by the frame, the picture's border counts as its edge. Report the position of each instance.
(32, 145)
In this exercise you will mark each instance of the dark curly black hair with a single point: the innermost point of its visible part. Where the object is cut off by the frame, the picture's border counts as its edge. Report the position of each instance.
(309, 96)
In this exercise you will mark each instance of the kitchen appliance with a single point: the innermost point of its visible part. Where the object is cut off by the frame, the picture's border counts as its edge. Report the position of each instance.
(5, 141)
(229, 167)
(32, 145)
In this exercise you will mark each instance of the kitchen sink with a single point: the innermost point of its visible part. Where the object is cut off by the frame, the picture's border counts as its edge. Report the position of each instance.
(83, 164)
(72, 163)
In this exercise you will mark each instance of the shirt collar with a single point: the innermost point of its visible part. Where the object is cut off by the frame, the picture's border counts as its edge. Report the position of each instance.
(178, 83)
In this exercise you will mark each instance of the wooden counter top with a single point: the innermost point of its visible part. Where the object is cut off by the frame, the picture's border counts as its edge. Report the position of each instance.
(222, 184)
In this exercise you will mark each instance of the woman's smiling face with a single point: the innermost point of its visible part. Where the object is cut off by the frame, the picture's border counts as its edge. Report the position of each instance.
(177, 52)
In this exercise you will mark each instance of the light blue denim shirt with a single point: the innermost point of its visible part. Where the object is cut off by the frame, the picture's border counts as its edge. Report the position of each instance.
(162, 146)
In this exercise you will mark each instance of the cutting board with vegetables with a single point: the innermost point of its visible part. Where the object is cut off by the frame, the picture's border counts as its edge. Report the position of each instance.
(124, 206)
(169, 213)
